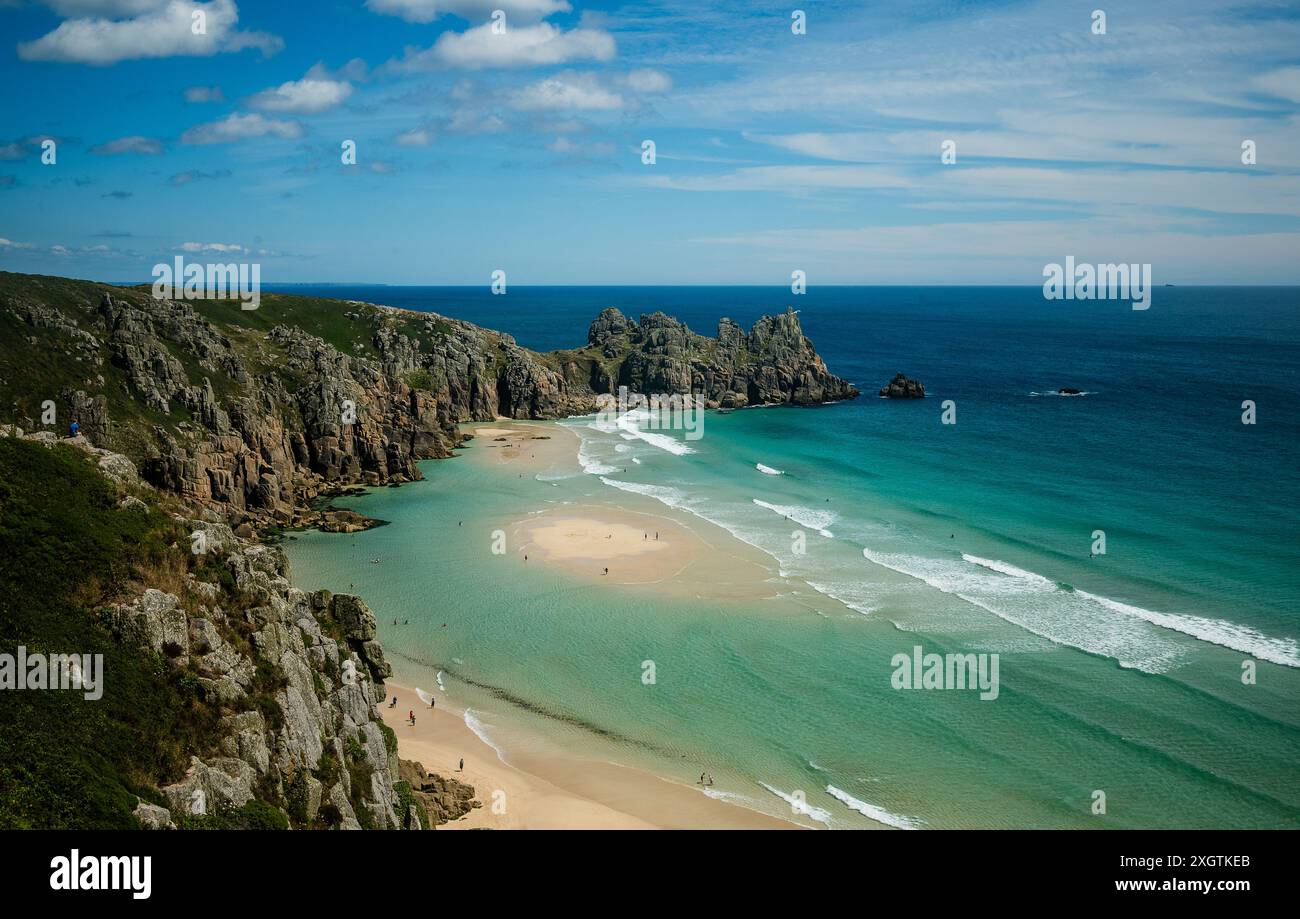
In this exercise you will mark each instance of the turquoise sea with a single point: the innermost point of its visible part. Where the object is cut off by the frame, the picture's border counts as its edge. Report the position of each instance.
(1119, 673)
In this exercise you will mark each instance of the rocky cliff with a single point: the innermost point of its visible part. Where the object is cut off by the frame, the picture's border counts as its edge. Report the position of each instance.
(258, 413)
(253, 701)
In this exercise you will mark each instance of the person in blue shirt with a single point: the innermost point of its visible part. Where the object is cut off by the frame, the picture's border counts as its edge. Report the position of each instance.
(75, 428)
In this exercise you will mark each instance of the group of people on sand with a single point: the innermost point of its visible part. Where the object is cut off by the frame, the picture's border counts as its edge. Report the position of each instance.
(705, 779)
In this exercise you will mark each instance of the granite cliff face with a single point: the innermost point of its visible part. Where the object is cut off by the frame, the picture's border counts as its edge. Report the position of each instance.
(284, 682)
(259, 413)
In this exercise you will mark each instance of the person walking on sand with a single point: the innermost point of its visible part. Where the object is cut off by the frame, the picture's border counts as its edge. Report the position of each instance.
(462, 764)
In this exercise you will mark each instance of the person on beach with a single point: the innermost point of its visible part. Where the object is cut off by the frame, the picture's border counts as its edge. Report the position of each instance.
(606, 571)
(462, 764)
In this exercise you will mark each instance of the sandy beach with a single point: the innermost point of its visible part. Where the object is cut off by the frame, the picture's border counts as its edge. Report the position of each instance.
(540, 785)
(555, 793)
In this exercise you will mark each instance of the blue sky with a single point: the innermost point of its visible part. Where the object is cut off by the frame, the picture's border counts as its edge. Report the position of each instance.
(775, 151)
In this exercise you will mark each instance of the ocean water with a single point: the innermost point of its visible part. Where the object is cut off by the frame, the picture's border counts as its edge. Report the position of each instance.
(885, 529)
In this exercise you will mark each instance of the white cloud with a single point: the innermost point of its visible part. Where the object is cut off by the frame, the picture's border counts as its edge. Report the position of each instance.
(303, 97)
(471, 121)
(235, 127)
(146, 146)
(429, 10)
(196, 94)
(568, 91)
(152, 31)
(518, 46)
(10, 244)
(223, 248)
(1284, 83)
(566, 147)
(416, 137)
(648, 80)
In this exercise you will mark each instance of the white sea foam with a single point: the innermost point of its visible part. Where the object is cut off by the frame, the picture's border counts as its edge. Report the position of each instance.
(1241, 638)
(628, 424)
(1283, 651)
(806, 517)
(480, 731)
(590, 464)
(1037, 605)
(668, 495)
(1003, 568)
(878, 814)
(767, 470)
(800, 806)
(441, 686)
(857, 596)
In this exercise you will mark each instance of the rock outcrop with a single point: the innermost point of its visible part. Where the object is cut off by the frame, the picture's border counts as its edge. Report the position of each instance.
(443, 799)
(900, 387)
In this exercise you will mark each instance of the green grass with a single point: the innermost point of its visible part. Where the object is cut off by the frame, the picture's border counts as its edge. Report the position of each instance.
(66, 762)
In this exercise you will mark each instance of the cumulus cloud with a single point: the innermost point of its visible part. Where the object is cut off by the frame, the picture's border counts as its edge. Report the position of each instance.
(145, 146)
(429, 10)
(648, 80)
(303, 97)
(518, 46)
(568, 91)
(152, 30)
(204, 94)
(236, 127)
(20, 148)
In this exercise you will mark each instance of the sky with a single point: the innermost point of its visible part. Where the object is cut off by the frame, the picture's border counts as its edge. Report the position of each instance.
(520, 148)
